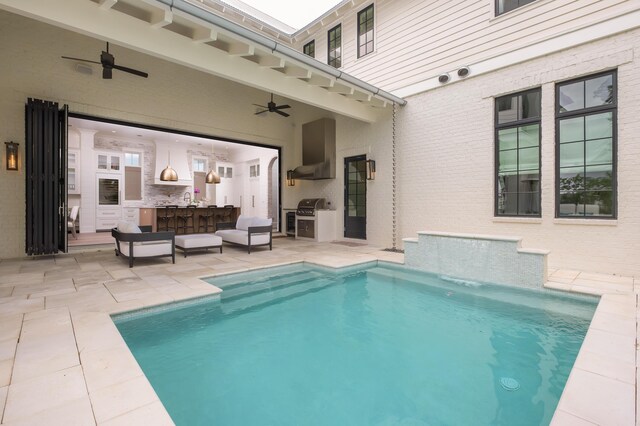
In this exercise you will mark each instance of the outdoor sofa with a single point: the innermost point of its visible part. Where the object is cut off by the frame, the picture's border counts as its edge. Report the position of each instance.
(142, 243)
(248, 232)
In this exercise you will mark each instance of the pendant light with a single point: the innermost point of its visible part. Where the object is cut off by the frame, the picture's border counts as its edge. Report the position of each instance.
(212, 176)
(168, 174)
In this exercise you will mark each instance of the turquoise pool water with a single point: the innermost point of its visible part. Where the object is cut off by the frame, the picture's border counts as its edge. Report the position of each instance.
(379, 346)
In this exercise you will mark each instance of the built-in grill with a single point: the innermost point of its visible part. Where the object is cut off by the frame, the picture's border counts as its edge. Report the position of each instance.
(308, 206)
(306, 217)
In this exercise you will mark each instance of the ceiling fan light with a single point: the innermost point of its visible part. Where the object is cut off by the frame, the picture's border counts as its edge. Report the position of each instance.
(212, 177)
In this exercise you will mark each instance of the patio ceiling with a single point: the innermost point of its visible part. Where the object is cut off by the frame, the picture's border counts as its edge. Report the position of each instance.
(152, 27)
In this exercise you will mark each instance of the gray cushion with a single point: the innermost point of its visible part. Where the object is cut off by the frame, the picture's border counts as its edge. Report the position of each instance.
(259, 221)
(244, 222)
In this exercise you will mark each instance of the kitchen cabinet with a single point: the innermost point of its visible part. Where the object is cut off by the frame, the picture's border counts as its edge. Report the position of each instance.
(109, 162)
(73, 171)
(131, 214)
(226, 191)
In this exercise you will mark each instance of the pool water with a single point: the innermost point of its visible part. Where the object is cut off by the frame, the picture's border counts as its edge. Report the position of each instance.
(377, 346)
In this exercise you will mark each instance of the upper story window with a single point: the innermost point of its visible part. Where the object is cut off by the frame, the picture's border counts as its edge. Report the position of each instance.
(365, 31)
(586, 147)
(310, 49)
(132, 159)
(504, 6)
(518, 154)
(199, 164)
(335, 46)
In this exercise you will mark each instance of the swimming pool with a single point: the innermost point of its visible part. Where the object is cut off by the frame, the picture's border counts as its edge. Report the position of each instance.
(377, 345)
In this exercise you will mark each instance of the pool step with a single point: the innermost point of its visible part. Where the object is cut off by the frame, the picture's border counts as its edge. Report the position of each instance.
(255, 286)
(275, 293)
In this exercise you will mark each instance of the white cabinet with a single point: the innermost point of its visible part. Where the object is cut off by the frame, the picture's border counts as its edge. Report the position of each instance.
(226, 192)
(109, 206)
(109, 162)
(73, 171)
(131, 214)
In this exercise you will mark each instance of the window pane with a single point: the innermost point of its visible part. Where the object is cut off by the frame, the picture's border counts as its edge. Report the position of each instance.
(528, 203)
(529, 135)
(599, 91)
(597, 203)
(599, 125)
(529, 158)
(507, 139)
(572, 179)
(530, 105)
(569, 202)
(507, 109)
(572, 130)
(508, 203)
(598, 178)
(508, 161)
(571, 96)
(572, 154)
(599, 151)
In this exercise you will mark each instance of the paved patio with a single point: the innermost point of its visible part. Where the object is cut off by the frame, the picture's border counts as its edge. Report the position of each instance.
(62, 360)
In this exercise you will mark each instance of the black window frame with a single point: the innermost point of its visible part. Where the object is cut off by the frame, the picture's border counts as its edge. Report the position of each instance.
(585, 112)
(497, 5)
(337, 59)
(514, 125)
(361, 12)
(309, 49)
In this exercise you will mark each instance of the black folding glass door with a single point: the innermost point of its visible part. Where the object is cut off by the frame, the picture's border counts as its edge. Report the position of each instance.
(355, 197)
(46, 173)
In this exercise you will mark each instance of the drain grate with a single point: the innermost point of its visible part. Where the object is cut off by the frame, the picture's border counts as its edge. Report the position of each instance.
(509, 383)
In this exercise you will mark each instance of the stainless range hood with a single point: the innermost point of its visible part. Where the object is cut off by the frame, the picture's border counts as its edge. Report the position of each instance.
(318, 151)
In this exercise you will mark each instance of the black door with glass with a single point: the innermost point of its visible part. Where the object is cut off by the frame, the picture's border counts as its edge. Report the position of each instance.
(355, 197)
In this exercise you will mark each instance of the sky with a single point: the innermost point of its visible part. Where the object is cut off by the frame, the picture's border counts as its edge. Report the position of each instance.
(294, 13)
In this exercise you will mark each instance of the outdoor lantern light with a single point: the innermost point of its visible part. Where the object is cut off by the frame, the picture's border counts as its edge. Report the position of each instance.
(290, 180)
(168, 174)
(371, 169)
(12, 155)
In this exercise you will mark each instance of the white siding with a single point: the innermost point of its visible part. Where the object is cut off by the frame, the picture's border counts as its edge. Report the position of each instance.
(418, 39)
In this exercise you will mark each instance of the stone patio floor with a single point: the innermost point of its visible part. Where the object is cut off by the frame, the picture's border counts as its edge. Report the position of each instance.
(63, 362)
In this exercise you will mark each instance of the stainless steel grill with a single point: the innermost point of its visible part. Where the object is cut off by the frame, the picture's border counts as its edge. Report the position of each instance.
(308, 206)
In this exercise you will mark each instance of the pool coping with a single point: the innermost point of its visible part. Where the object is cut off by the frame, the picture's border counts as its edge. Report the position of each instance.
(63, 359)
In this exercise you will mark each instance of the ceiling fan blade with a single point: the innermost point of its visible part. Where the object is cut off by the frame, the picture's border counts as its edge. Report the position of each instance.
(283, 106)
(261, 112)
(131, 71)
(82, 60)
(284, 114)
(261, 106)
(107, 73)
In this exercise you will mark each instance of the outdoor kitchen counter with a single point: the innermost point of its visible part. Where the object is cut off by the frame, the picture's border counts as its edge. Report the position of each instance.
(199, 212)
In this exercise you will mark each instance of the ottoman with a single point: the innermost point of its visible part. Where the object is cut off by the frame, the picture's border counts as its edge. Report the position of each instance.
(192, 242)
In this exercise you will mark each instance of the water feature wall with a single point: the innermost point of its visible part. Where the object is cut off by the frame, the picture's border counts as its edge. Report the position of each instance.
(481, 258)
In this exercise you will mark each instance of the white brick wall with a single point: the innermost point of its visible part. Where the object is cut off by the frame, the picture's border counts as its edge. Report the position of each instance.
(447, 159)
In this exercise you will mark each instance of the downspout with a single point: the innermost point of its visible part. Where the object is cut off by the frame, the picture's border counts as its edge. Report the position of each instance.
(196, 11)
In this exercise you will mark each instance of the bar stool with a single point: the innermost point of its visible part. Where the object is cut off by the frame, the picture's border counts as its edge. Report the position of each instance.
(208, 215)
(183, 219)
(224, 214)
(165, 216)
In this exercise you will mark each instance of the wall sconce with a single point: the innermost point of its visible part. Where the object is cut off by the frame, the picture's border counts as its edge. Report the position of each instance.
(371, 169)
(290, 180)
(12, 155)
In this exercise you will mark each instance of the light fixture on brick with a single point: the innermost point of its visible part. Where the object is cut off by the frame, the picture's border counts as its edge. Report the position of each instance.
(290, 180)
(371, 169)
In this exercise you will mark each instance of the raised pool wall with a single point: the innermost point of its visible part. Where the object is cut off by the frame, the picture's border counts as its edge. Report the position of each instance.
(481, 258)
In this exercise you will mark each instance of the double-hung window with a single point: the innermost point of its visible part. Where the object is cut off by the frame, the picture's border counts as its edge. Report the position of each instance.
(309, 49)
(586, 147)
(335, 46)
(504, 6)
(365, 31)
(517, 150)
